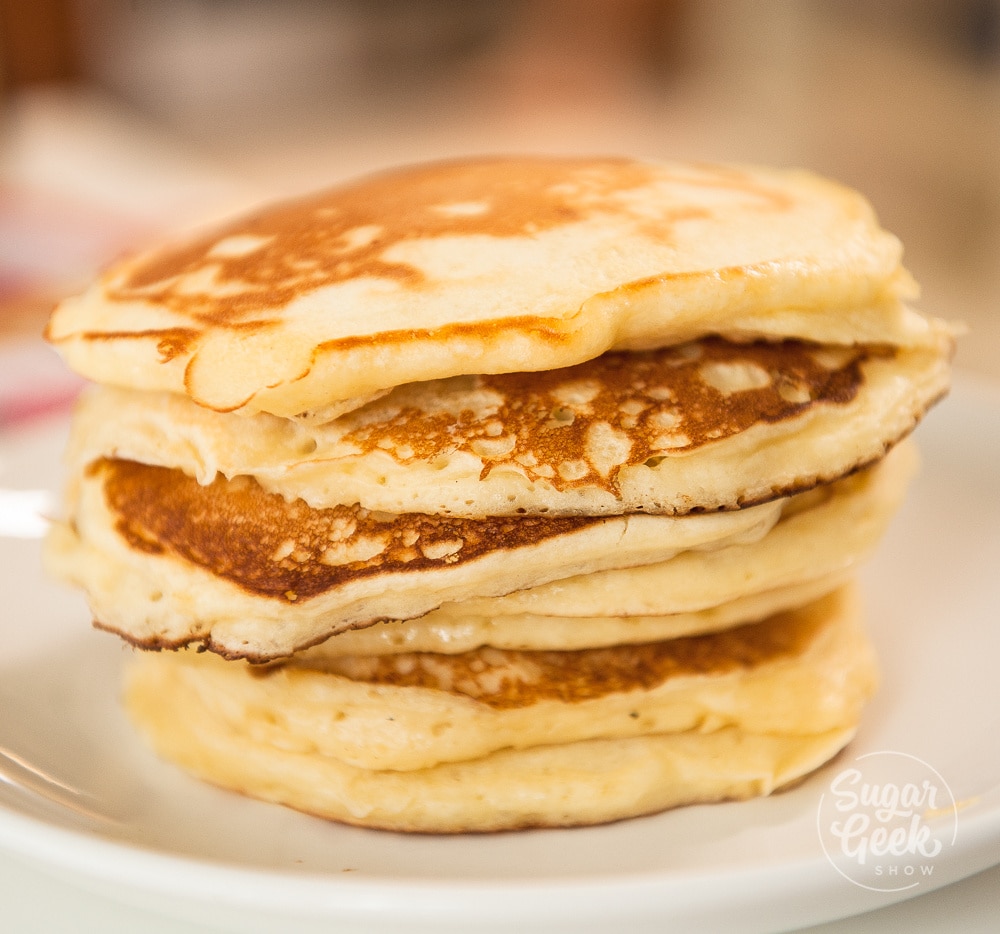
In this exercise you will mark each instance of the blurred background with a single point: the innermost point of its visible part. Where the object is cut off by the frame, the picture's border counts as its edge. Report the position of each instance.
(121, 120)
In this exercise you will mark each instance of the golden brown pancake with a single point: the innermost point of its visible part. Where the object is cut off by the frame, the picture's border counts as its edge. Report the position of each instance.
(166, 561)
(450, 630)
(489, 266)
(817, 544)
(833, 527)
(533, 485)
(494, 740)
(707, 425)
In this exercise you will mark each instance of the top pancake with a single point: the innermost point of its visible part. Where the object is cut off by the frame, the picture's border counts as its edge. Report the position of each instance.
(488, 266)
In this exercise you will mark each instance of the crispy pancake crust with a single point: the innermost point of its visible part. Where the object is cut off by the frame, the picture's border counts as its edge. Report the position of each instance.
(488, 266)
(708, 425)
(506, 679)
(820, 540)
(167, 562)
(834, 527)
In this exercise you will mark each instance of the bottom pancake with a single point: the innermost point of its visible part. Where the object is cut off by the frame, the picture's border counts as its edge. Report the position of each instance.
(702, 719)
(584, 783)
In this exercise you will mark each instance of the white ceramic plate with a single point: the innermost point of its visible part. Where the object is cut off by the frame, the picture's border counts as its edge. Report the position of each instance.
(89, 803)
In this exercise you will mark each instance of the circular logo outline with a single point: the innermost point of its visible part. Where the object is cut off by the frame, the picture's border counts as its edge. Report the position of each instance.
(885, 752)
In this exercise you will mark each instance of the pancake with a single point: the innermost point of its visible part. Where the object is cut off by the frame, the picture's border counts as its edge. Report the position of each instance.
(704, 426)
(818, 542)
(830, 529)
(166, 561)
(489, 266)
(458, 631)
(503, 493)
(497, 740)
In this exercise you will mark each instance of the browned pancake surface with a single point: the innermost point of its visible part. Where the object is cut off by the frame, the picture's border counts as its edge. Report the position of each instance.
(237, 531)
(346, 233)
(578, 426)
(492, 265)
(506, 679)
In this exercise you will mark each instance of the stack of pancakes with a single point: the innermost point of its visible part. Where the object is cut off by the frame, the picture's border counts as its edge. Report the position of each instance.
(503, 493)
